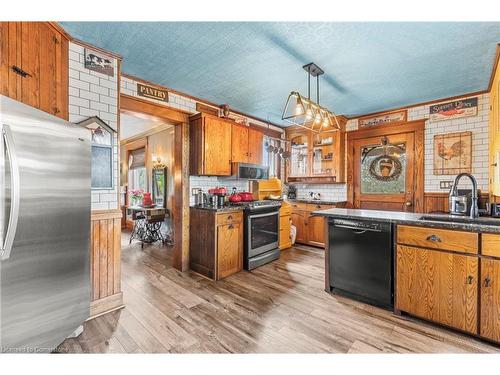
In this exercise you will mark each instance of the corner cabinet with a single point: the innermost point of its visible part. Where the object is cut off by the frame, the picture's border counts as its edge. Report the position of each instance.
(316, 157)
(310, 228)
(34, 65)
(450, 277)
(210, 145)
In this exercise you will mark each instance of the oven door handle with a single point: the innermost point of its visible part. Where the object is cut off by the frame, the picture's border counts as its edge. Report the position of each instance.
(251, 215)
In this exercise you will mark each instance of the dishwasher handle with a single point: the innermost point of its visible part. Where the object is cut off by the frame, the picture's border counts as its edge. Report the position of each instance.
(356, 229)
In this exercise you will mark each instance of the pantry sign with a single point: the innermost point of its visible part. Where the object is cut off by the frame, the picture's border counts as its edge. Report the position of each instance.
(152, 92)
(454, 109)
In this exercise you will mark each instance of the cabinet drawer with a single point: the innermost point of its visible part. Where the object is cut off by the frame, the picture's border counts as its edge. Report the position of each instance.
(229, 218)
(443, 239)
(299, 206)
(319, 206)
(490, 245)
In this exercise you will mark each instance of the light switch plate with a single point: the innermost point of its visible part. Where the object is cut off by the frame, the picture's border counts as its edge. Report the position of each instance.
(194, 191)
(445, 185)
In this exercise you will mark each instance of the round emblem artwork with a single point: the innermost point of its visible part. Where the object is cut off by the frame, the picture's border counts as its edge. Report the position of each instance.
(385, 168)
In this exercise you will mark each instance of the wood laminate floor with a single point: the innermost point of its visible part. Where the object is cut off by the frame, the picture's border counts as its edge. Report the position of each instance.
(278, 308)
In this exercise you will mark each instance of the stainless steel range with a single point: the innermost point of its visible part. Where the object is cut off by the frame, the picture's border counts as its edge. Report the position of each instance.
(261, 227)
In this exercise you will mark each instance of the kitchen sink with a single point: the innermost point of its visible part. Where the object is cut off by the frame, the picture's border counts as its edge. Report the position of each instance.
(461, 219)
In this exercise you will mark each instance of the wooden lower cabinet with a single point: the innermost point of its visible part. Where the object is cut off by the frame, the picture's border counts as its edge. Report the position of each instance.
(216, 242)
(438, 286)
(285, 235)
(490, 299)
(310, 229)
(229, 249)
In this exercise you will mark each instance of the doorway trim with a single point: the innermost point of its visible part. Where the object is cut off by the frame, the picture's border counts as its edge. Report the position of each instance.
(417, 128)
(180, 120)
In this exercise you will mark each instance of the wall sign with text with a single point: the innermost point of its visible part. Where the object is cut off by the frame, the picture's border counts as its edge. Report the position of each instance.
(454, 109)
(152, 92)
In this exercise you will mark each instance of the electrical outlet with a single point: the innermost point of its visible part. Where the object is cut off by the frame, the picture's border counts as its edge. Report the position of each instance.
(445, 185)
(194, 191)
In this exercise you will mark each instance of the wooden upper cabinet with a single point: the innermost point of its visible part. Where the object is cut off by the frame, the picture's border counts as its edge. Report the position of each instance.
(247, 144)
(316, 156)
(490, 299)
(255, 139)
(34, 65)
(210, 145)
(240, 143)
(438, 286)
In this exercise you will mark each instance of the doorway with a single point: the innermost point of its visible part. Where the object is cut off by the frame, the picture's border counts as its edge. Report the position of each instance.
(154, 164)
(386, 167)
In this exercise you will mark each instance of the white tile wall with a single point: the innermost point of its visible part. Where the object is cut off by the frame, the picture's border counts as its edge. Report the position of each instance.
(478, 125)
(208, 182)
(336, 193)
(95, 94)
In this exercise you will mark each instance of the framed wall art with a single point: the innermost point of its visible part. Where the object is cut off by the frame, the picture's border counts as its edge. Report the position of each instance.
(453, 153)
(383, 118)
(99, 63)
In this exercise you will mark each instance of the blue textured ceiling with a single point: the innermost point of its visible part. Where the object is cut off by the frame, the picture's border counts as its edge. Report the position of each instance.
(253, 66)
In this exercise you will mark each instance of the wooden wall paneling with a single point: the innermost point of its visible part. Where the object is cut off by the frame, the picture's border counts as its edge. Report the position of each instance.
(105, 262)
(181, 197)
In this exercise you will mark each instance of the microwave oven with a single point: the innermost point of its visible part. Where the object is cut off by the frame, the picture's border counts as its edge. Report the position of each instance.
(250, 171)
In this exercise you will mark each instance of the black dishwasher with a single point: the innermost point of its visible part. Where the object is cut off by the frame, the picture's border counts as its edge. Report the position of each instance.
(361, 260)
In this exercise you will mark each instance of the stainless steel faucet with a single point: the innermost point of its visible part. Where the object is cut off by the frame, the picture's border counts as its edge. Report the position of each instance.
(474, 210)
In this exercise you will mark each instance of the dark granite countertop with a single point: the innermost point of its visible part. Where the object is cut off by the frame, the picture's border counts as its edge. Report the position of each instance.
(220, 209)
(482, 224)
(315, 201)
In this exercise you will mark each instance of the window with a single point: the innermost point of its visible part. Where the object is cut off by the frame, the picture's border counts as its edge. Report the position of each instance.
(271, 156)
(137, 175)
(102, 153)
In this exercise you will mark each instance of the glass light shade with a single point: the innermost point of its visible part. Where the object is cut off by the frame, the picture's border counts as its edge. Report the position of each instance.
(295, 110)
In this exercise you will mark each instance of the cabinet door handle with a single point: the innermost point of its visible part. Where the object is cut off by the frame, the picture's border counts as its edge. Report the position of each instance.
(56, 110)
(470, 280)
(434, 238)
(230, 217)
(231, 226)
(20, 72)
(487, 282)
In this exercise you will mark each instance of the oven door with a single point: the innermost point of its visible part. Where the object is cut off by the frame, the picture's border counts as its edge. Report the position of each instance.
(263, 232)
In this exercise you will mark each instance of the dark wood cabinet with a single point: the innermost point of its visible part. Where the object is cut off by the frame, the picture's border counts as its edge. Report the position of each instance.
(210, 145)
(216, 242)
(34, 65)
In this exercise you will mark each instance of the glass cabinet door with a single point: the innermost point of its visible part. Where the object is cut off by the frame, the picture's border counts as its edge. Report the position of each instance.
(299, 159)
(323, 154)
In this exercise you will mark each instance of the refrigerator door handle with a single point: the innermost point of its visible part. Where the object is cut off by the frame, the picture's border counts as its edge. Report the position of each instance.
(14, 192)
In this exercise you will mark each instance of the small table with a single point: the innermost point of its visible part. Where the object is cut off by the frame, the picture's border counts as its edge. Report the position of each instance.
(147, 224)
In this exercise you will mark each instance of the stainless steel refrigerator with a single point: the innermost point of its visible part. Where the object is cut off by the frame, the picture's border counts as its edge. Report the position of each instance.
(45, 228)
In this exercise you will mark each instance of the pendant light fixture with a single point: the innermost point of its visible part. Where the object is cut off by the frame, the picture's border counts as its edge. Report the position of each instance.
(307, 113)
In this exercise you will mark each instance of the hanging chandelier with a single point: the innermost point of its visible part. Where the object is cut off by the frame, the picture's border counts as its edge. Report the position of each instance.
(306, 112)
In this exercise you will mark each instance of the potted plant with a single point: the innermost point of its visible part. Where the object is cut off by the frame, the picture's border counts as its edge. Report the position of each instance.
(136, 196)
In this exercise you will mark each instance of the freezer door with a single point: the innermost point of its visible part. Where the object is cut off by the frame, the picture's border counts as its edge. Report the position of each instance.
(45, 282)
